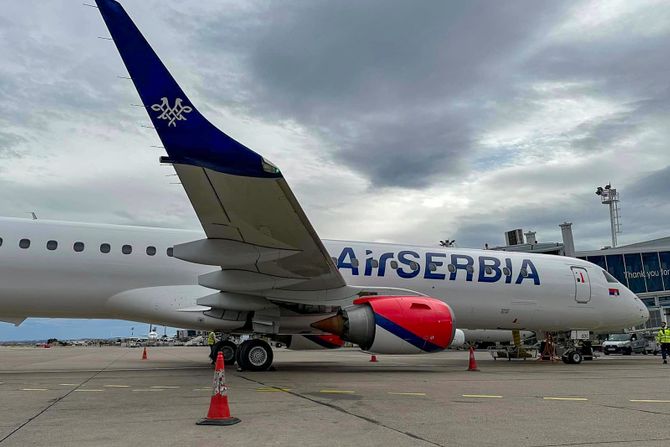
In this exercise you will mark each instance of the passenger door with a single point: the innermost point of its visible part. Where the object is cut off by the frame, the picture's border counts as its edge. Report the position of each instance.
(582, 285)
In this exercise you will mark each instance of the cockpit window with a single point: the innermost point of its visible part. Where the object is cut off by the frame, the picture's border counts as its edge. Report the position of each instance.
(609, 277)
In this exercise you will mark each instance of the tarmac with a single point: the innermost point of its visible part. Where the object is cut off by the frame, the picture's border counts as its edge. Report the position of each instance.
(82, 396)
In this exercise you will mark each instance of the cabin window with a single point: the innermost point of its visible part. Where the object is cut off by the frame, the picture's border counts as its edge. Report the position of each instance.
(334, 259)
(523, 272)
(126, 249)
(507, 272)
(489, 271)
(374, 263)
(0, 242)
(432, 267)
(78, 247)
(394, 265)
(170, 251)
(52, 245)
(469, 269)
(105, 248)
(414, 266)
(451, 268)
(24, 243)
(151, 251)
(354, 262)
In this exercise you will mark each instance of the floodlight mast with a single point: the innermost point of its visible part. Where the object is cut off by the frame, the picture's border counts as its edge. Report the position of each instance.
(610, 196)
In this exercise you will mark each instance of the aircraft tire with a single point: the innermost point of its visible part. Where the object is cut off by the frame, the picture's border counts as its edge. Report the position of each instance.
(254, 355)
(228, 348)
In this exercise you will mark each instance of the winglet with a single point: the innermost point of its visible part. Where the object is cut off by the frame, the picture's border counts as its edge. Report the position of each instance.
(187, 136)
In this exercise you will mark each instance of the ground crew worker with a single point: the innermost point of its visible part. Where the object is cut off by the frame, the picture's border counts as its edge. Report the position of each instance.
(663, 338)
(211, 342)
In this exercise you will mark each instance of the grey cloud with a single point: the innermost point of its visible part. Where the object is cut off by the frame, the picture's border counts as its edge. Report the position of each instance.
(396, 90)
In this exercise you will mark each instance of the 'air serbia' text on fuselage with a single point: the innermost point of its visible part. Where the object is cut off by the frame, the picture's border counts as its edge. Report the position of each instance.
(440, 266)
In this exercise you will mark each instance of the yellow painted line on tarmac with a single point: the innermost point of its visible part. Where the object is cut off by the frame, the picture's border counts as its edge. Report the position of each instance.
(483, 396)
(88, 390)
(164, 387)
(566, 398)
(337, 392)
(407, 394)
(272, 390)
(651, 401)
(34, 389)
(116, 386)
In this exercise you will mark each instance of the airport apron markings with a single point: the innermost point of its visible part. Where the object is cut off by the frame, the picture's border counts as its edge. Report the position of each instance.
(158, 388)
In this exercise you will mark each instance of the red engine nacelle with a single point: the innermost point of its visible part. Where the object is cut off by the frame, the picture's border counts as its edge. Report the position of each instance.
(394, 324)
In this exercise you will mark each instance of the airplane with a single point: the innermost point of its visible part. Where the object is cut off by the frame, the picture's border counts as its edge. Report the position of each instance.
(261, 269)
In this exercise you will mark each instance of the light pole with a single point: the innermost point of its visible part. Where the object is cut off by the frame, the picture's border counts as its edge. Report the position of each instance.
(610, 196)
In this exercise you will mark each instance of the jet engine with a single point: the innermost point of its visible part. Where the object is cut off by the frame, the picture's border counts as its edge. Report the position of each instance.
(394, 324)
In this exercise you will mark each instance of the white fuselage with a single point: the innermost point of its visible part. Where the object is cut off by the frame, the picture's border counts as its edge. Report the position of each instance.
(486, 289)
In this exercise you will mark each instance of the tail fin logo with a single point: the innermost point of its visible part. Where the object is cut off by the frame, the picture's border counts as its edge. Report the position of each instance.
(171, 114)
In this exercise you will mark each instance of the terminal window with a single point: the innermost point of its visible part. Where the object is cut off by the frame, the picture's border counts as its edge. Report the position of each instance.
(635, 273)
(664, 257)
(652, 272)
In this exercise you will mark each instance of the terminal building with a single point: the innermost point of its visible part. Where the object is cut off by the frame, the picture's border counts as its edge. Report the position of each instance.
(643, 267)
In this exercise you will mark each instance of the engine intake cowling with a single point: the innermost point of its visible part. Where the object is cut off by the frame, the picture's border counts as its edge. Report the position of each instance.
(394, 324)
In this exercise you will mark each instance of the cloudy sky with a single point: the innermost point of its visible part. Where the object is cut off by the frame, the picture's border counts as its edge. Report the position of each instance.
(392, 121)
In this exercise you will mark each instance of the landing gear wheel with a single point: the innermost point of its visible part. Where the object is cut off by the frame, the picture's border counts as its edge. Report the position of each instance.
(254, 355)
(228, 349)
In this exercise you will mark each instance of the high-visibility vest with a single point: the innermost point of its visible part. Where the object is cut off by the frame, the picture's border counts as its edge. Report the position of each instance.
(663, 336)
(211, 339)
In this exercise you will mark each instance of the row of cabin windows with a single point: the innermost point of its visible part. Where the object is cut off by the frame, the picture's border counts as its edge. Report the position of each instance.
(104, 248)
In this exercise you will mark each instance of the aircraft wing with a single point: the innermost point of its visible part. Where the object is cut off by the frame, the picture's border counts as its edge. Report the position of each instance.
(256, 230)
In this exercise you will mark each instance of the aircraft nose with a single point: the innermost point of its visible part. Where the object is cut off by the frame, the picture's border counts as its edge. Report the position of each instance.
(639, 308)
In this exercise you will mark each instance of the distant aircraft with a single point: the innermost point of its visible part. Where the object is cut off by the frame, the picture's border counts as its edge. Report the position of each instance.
(260, 267)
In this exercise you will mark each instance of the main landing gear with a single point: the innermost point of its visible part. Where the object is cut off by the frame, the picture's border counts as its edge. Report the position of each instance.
(250, 355)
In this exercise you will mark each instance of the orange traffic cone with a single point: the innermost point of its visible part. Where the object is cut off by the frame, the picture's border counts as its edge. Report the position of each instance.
(373, 358)
(219, 413)
(473, 363)
(144, 353)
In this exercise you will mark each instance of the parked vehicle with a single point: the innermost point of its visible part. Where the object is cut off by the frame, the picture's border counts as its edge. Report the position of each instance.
(624, 344)
(652, 347)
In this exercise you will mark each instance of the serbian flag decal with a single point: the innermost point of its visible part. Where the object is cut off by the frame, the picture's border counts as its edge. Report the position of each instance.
(614, 292)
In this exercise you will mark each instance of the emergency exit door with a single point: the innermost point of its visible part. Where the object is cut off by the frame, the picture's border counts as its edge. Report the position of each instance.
(582, 285)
